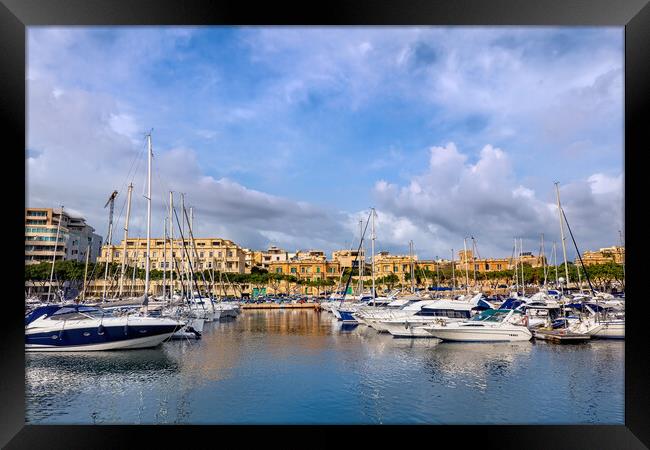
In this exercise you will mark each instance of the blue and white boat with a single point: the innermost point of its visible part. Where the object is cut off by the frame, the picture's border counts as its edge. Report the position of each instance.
(75, 328)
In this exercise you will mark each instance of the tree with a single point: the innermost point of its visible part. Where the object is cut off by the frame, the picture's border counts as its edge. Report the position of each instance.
(389, 280)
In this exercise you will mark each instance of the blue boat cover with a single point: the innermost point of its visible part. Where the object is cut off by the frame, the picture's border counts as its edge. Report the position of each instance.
(511, 303)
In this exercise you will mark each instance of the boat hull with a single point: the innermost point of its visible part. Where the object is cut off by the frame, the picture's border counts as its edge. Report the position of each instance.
(484, 335)
(125, 344)
(94, 335)
(610, 330)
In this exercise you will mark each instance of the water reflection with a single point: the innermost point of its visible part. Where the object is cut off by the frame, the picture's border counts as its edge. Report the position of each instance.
(300, 366)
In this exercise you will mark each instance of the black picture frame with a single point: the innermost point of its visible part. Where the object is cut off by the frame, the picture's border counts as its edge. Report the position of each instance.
(15, 15)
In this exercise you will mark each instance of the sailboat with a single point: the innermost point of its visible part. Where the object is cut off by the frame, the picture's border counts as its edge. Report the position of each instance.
(75, 327)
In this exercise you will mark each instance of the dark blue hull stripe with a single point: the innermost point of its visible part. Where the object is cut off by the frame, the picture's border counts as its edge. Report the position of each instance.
(90, 336)
(347, 316)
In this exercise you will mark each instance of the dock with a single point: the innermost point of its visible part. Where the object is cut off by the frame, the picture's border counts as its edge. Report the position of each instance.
(280, 306)
(560, 336)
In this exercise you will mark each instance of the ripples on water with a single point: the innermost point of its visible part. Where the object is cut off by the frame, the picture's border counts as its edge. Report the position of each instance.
(298, 366)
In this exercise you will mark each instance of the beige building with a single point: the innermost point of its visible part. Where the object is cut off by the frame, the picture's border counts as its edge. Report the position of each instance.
(386, 264)
(346, 258)
(495, 264)
(308, 255)
(604, 255)
(76, 237)
(307, 269)
(210, 253)
(534, 261)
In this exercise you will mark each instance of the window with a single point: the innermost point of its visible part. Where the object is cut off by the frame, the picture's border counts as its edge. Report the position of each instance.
(317, 269)
(201, 254)
(211, 254)
(487, 266)
(498, 266)
(404, 267)
(278, 270)
(229, 253)
(302, 270)
(394, 268)
(476, 267)
(293, 270)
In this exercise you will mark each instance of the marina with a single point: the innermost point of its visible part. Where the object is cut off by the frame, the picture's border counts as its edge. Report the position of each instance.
(384, 234)
(305, 367)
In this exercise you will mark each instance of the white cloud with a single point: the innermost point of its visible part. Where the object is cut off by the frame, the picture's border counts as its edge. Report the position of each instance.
(454, 199)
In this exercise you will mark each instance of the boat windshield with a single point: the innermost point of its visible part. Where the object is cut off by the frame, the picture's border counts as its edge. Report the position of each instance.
(490, 315)
(79, 312)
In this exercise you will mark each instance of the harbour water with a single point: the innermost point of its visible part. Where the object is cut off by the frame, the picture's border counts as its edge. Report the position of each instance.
(304, 367)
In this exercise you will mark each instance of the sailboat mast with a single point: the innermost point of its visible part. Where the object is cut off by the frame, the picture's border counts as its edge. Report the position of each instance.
(437, 275)
(83, 292)
(191, 224)
(171, 245)
(620, 238)
(474, 256)
(516, 268)
(453, 272)
(372, 255)
(164, 290)
(56, 244)
(521, 264)
(555, 262)
(148, 256)
(559, 211)
(544, 261)
(466, 265)
(126, 236)
(183, 268)
(360, 266)
(412, 271)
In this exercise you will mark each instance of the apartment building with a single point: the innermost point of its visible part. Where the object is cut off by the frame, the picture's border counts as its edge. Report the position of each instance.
(222, 255)
(76, 237)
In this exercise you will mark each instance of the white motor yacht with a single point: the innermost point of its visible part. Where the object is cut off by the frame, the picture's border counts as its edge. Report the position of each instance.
(492, 325)
(438, 312)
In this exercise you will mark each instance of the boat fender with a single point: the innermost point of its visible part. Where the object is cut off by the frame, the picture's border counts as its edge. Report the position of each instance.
(100, 330)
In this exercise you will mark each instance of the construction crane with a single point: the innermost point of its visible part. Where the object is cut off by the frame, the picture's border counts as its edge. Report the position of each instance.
(111, 201)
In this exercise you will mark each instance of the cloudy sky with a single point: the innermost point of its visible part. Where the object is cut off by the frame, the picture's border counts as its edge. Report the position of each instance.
(287, 135)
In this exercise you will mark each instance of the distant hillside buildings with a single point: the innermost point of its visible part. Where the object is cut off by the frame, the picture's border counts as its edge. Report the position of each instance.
(76, 237)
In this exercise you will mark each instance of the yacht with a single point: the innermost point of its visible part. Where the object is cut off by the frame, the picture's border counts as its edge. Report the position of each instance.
(491, 325)
(74, 328)
(604, 322)
(439, 312)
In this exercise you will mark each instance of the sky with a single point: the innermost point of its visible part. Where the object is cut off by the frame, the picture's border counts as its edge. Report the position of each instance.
(288, 135)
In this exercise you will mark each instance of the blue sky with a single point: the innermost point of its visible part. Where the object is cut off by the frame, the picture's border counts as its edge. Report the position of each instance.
(286, 135)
